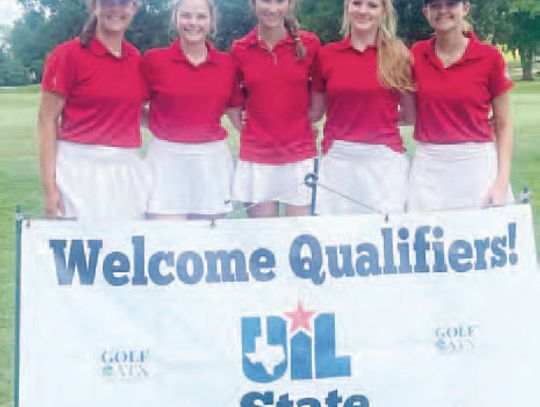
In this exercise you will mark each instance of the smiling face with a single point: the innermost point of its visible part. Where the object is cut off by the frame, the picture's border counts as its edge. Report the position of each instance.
(271, 13)
(194, 20)
(446, 15)
(114, 16)
(365, 15)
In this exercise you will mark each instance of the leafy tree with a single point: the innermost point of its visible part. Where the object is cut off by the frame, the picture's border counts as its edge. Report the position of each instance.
(524, 36)
(235, 19)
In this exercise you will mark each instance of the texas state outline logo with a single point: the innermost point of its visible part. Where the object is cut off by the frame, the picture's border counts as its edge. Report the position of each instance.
(303, 340)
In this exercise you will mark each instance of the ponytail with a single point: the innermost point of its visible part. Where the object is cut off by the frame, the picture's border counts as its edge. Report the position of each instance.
(292, 27)
(89, 31)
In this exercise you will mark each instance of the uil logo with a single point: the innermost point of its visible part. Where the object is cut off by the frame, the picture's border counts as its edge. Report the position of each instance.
(269, 347)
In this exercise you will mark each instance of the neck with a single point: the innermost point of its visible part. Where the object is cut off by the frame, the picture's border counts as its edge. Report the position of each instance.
(111, 40)
(271, 35)
(448, 41)
(360, 40)
(196, 52)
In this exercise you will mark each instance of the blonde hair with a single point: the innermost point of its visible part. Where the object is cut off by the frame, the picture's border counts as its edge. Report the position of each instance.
(394, 60)
(293, 28)
(211, 8)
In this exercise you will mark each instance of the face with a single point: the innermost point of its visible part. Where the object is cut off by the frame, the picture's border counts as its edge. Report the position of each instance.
(365, 15)
(271, 13)
(193, 20)
(114, 15)
(446, 15)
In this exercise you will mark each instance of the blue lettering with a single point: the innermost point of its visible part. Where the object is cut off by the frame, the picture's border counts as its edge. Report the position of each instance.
(346, 268)
(86, 268)
(459, 256)
(388, 244)
(250, 399)
(138, 261)
(310, 266)
(225, 259)
(262, 259)
(182, 263)
(154, 268)
(367, 262)
(327, 364)
(421, 246)
(499, 253)
(114, 266)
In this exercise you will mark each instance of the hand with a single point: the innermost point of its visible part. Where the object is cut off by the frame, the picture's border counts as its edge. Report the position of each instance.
(53, 204)
(496, 195)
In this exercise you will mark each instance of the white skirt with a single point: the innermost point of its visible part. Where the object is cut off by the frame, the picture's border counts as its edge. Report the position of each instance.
(190, 178)
(101, 182)
(256, 183)
(452, 176)
(358, 178)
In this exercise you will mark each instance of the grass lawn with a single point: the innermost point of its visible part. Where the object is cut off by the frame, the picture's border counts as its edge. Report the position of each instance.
(19, 185)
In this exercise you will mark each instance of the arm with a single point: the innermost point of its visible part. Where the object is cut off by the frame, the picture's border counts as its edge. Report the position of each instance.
(50, 110)
(407, 109)
(318, 106)
(235, 117)
(144, 114)
(504, 140)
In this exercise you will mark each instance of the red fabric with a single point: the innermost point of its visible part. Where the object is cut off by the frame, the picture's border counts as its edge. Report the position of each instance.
(277, 98)
(453, 103)
(187, 101)
(103, 93)
(360, 109)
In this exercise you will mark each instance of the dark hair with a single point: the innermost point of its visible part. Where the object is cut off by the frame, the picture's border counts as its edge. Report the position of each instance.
(89, 31)
(292, 27)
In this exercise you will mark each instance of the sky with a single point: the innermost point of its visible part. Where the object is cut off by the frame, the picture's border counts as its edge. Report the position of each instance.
(9, 11)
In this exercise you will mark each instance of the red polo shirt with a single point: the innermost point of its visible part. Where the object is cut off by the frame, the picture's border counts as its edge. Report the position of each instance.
(277, 99)
(359, 108)
(102, 93)
(187, 101)
(453, 103)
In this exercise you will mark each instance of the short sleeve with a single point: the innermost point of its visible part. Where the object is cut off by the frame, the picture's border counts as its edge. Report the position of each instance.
(318, 79)
(59, 72)
(237, 93)
(146, 73)
(499, 80)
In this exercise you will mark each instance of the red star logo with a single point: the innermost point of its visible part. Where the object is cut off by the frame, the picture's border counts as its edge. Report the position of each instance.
(300, 318)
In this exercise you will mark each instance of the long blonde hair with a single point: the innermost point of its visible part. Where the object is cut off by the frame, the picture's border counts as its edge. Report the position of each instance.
(293, 27)
(394, 60)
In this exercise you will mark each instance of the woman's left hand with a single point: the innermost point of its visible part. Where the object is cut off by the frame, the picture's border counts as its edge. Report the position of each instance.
(497, 194)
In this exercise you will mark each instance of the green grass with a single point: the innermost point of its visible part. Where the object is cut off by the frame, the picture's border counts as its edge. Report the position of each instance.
(19, 185)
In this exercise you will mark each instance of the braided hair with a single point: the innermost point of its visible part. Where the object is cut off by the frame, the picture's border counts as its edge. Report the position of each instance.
(292, 26)
(89, 29)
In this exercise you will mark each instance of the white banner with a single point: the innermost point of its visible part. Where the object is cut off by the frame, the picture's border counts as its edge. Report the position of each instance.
(436, 310)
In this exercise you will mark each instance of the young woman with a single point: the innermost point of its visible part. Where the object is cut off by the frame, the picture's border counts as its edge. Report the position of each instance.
(365, 79)
(277, 143)
(89, 121)
(191, 85)
(463, 158)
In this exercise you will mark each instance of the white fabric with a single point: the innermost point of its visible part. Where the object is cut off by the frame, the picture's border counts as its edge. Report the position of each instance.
(101, 182)
(256, 183)
(363, 178)
(190, 177)
(452, 176)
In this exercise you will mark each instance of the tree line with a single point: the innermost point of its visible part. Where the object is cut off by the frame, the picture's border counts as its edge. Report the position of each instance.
(45, 23)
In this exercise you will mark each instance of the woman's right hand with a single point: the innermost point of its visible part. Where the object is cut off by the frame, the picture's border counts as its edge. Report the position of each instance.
(53, 204)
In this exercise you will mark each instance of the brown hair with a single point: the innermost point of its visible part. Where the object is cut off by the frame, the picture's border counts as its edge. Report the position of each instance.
(89, 29)
(293, 28)
(394, 60)
(211, 8)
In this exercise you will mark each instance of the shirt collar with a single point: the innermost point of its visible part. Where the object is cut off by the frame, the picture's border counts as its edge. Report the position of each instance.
(98, 48)
(345, 44)
(179, 55)
(252, 39)
(473, 51)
